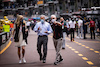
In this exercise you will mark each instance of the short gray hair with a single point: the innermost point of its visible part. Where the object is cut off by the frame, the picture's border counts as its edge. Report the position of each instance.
(53, 16)
(42, 16)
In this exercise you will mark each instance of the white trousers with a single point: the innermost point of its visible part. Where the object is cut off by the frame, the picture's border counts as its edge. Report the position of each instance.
(64, 38)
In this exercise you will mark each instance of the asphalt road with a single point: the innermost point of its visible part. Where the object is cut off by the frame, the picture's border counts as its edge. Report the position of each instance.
(80, 53)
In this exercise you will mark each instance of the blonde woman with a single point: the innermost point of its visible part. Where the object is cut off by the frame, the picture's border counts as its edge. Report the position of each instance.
(20, 37)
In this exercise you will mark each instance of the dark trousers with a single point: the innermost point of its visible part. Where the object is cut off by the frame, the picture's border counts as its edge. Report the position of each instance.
(28, 28)
(42, 40)
(67, 31)
(72, 33)
(92, 30)
(84, 33)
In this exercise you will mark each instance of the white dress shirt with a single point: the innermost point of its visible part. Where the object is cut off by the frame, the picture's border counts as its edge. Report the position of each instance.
(43, 28)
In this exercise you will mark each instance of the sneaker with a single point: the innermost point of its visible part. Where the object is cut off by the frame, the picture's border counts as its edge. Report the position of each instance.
(56, 63)
(77, 37)
(20, 61)
(44, 61)
(24, 61)
(81, 37)
(60, 60)
(63, 47)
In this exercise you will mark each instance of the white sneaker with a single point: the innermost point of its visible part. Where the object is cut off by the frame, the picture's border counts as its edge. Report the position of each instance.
(81, 37)
(77, 37)
(24, 61)
(20, 61)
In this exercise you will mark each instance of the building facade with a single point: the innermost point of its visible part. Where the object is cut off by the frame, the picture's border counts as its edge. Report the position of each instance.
(47, 7)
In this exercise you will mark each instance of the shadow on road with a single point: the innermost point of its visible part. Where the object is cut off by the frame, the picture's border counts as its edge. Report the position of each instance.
(38, 64)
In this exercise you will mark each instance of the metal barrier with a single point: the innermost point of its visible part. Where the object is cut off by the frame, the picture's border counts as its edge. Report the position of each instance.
(4, 37)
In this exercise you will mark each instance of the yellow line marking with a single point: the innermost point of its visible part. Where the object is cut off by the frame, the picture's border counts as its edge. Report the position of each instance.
(96, 51)
(86, 47)
(80, 55)
(89, 62)
(67, 45)
(92, 41)
(76, 51)
(83, 45)
(91, 49)
(6, 47)
(84, 58)
(73, 49)
(70, 47)
(79, 44)
(75, 42)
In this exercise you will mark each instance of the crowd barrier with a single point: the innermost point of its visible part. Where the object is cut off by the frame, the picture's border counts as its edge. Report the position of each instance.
(4, 39)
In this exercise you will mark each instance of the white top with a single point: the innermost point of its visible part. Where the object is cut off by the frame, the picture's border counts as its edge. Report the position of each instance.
(80, 22)
(72, 24)
(28, 23)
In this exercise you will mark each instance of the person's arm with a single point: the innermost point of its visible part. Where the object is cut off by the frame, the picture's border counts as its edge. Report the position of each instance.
(14, 29)
(36, 28)
(94, 25)
(49, 29)
(25, 25)
(65, 24)
(57, 23)
(69, 25)
(78, 24)
(81, 23)
(98, 30)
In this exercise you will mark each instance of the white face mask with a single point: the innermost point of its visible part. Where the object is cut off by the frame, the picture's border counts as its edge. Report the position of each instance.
(53, 20)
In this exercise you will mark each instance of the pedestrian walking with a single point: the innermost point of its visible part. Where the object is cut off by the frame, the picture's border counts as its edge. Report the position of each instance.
(80, 28)
(64, 29)
(76, 27)
(20, 37)
(28, 24)
(72, 24)
(67, 30)
(43, 29)
(92, 27)
(57, 38)
(85, 27)
(98, 27)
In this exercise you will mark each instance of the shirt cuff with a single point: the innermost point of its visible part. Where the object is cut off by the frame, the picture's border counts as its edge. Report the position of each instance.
(49, 32)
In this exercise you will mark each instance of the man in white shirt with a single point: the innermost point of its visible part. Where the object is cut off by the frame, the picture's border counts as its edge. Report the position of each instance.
(43, 29)
(80, 28)
(72, 27)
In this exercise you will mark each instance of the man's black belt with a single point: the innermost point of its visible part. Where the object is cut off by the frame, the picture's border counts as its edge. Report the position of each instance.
(42, 35)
